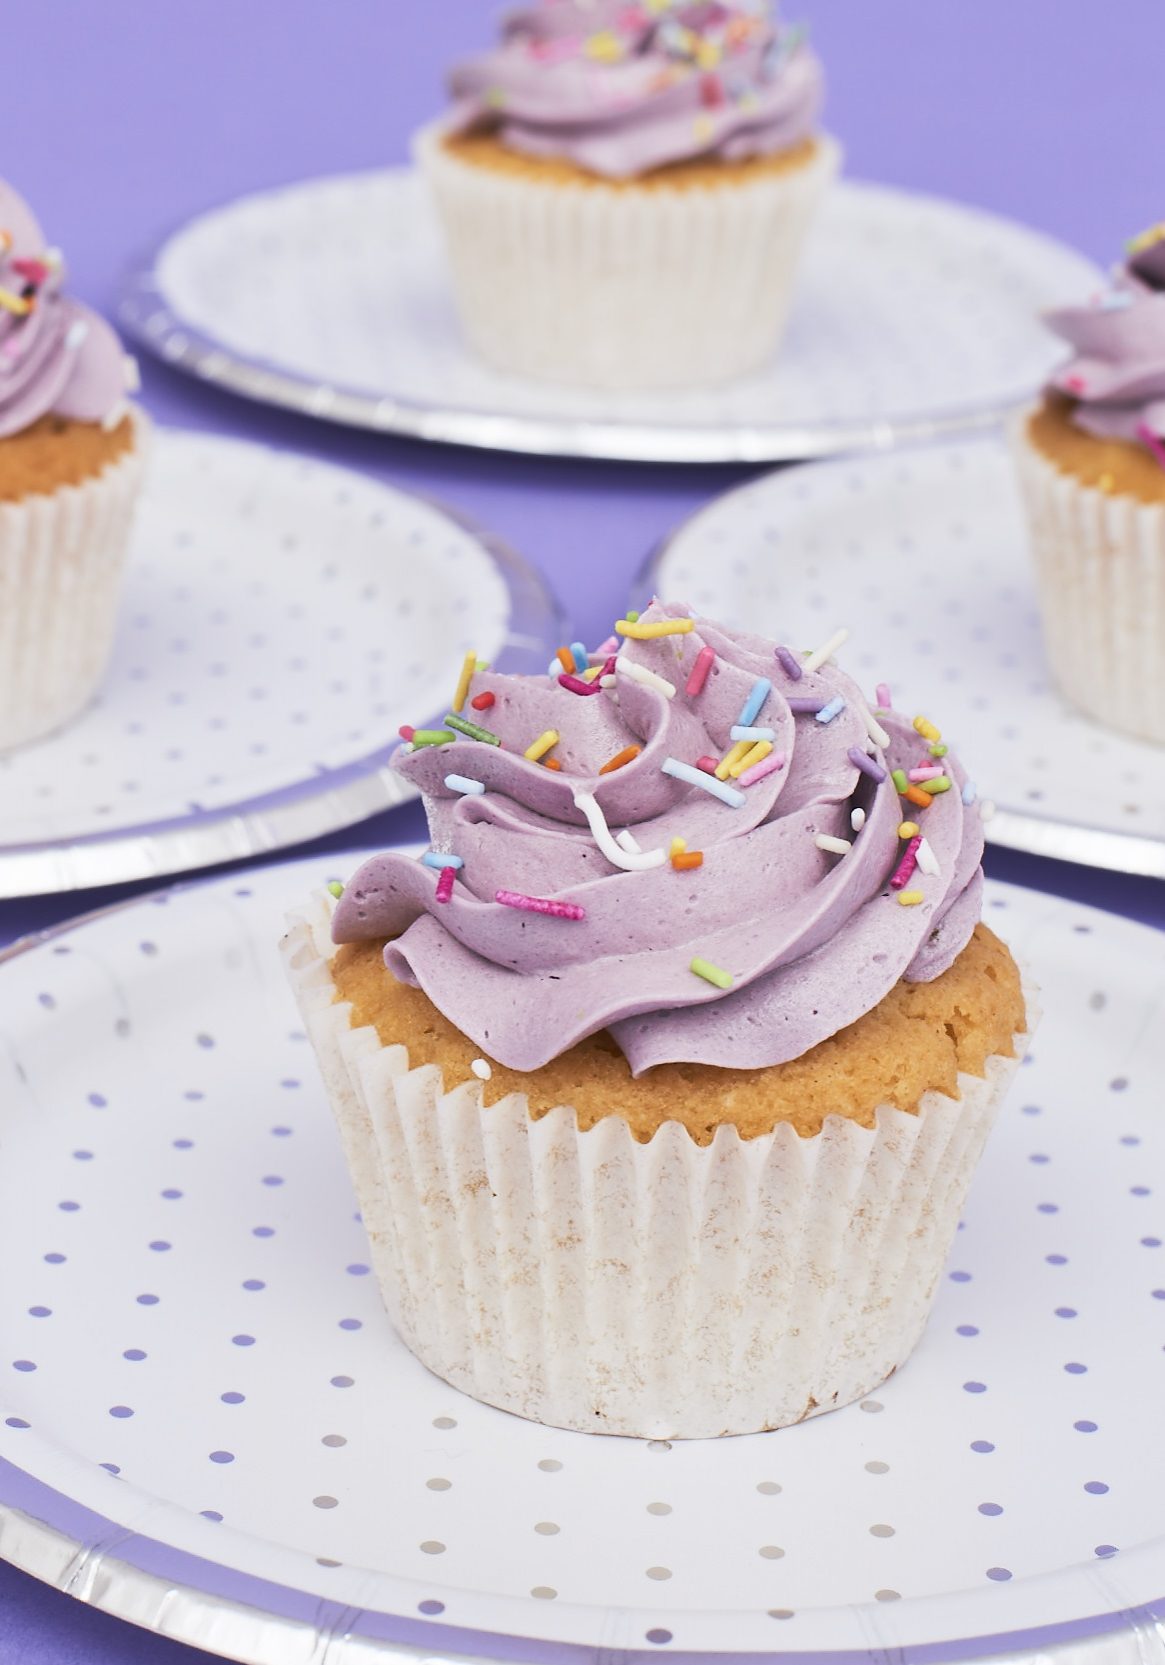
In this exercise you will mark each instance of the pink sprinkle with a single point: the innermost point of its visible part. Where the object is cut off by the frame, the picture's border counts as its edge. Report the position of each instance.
(611, 645)
(445, 883)
(711, 92)
(907, 865)
(767, 766)
(405, 731)
(708, 764)
(1146, 435)
(576, 685)
(882, 695)
(1076, 383)
(704, 662)
(930, 771)
(540, 904)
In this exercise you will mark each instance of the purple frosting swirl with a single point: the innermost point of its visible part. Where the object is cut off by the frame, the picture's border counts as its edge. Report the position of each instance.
(620, 89)
(56, 356)
(1116, 374)
(811, 938)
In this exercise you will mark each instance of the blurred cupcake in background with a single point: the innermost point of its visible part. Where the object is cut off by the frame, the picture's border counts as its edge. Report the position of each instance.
(71, 452)
(626, 188)
(1091, 459)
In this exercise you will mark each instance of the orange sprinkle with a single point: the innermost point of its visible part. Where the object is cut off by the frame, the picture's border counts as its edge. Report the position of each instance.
(684, 859)
(619, 759)
(566, 659)
(551, 763)
(915, 795)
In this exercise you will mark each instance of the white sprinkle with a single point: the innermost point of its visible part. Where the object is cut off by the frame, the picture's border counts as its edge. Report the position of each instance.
(970, 792)
(835, 846)
(114, 415)
(131, 375)
(874, 729)
(826, 651)
(738, 733)
(78, 330)
(640, 673)
(554, 668)
(857, 819)
(926, 858)
(986, 809)
(626, 841)
(631, 861)
(482, 1069)
(462, 783)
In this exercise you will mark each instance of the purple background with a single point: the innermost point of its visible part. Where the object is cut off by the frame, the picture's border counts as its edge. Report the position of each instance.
(122, 120)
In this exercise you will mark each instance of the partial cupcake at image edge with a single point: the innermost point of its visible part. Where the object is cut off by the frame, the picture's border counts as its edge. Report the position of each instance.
(663, 1073)
(1091, 461)
(625, 189)
(71, 461)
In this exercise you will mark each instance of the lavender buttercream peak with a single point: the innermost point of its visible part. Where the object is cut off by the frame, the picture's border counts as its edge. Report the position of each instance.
(1116, 375)
(57, 357)
(621, 88)
(791, 904)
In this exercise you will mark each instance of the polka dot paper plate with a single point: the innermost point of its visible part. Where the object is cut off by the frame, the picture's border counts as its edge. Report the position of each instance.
(914, 316)
(281, 618)
(207, 1425)
(924, 556)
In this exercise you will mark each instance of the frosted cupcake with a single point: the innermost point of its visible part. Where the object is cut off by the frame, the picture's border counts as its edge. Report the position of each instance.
(663, 1073)
(70, 469)
(626, 188)
(1091, 459)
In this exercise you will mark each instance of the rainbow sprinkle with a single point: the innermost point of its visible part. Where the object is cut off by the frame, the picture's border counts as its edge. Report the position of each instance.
(581, 661)
(640, 673)
(768, 766)
(751, 758)
(685, 860)
(835, 846)
(434, 858)
(540, 904)
(732, 756)
(432, 736)
(834, 709)
(751, 734)
(826, 651)
(790, 664)
(910, 898)
(882, 697)
(619, 759)
(711, 973)
(708, 783)
(468, 666)
(471, 730)
(482, 702)
(868, 765)
(462, 783)
(923, 726)
(576, 685)
(335, 888)
(761, 690)
(650, 632)
(538, 748)
(907, 864)
(698, 675)
(445, 883)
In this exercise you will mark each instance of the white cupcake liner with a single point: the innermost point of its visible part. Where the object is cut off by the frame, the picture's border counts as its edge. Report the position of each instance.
(61, 560)
(1100, 567)
(623, 287)
(665, 1290)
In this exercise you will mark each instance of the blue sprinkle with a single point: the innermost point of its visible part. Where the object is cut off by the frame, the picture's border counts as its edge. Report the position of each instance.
(739, 733)
(581, 662)
(970, 792)
(432, 859)
(830, 711)
(462, 783)
(554, 668)
(761, 690)
(1115, 300)
(707, 783)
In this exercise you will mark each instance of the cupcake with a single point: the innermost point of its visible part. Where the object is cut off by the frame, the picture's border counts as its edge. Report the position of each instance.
(71, 450)
(1091, 458)
(662, 1074)
(625, 189)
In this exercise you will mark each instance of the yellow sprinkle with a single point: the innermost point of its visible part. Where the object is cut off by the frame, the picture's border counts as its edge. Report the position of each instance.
(542, 745)
(908, 829)
(708, 54)
(731, 757)
(678, 846)
(1106, 482)
(926, 729)
(703, 128)
(1146, 239)
(910, 898)
(605, 46)
(468, 666)
(15, 303)
(591, 673)
(648, 632)
(756, 754)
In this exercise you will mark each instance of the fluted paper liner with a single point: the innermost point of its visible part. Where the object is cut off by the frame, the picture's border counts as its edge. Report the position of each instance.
(1100, 568)
(61, 559)
(620, 286)
(665, 1290)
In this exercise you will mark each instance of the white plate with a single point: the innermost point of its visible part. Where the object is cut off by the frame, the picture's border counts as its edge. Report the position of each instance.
(188, 1332)
(915, 316)
(281, 618)
(925, 557)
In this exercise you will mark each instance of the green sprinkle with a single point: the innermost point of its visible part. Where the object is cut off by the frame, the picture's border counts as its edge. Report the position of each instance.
(898, 776)
(631, 616)
(335, 888)
(483, 664)
(495, 97)
(939, 784)
(711, 973)
(432, 737)
(472, 730)
(938, 751)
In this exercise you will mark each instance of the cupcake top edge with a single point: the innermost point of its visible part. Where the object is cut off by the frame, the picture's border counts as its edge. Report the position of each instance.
(620, 89)
(1115, 377)
(708, 844)
(57, 357)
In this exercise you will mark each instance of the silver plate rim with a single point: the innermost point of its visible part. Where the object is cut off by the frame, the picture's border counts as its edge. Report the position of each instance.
(147, 316)
(246, 829)
(1035, 835)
